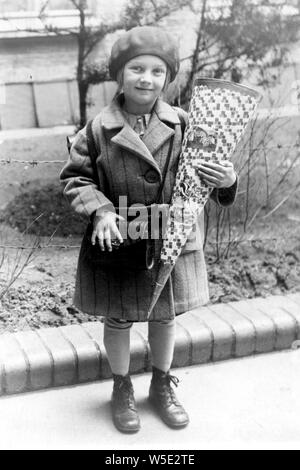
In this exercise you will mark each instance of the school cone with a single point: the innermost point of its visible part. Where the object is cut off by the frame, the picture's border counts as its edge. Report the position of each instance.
(218, 115)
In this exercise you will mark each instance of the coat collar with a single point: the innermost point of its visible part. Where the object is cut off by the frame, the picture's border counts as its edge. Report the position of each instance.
(157, 133)
(113, 118)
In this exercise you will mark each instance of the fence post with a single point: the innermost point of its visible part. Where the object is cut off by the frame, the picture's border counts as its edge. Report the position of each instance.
(2, 99)
(71, 106)
(34, 106)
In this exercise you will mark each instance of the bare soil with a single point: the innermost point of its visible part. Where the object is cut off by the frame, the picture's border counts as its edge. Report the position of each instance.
(42, 296)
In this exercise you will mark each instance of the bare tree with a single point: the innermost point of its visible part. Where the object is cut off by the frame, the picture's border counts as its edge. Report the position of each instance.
(13, 261)
(267, 180)
(136, 12)
(238, 39)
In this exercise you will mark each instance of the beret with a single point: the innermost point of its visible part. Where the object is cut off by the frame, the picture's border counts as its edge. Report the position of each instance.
(148, 40)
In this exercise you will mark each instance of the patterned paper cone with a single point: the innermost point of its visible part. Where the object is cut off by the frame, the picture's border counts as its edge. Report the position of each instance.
(218, 115)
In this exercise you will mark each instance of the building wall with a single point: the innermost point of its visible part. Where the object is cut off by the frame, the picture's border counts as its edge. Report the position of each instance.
(37, 75)
(33, 5)
(35, 59)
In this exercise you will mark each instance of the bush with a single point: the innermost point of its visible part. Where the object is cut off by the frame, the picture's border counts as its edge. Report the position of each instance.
(42, 209)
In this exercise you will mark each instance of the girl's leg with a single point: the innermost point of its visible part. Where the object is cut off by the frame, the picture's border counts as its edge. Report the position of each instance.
(161, 394)
(162, 340)
(117, 345)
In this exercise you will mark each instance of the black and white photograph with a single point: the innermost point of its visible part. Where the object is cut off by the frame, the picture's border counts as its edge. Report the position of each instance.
(149, 227)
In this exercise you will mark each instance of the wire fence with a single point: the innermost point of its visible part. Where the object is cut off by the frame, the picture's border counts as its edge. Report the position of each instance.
(33, 163)
(9, 161)
(250, 240)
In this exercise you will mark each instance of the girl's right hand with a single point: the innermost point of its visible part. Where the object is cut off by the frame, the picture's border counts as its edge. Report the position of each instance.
(105, 229)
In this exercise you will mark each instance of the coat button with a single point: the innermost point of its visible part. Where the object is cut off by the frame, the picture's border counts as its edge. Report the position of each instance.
(151, 176)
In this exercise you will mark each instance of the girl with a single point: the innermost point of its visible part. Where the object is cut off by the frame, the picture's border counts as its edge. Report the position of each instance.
(133, 136)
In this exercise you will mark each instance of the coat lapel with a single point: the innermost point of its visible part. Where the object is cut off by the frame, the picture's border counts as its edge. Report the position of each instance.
(128, 139)
(159, 130)
(157, 133)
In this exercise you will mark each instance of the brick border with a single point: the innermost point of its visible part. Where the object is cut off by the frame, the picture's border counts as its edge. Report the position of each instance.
(68, 355)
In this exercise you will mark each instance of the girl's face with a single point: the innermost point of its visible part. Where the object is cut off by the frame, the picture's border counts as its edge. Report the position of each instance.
(143, 80)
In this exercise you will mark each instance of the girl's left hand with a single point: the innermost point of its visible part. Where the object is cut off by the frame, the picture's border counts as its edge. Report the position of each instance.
(217, 175)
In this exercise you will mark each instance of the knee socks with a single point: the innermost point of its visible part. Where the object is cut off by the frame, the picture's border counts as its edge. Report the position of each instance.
(162, 340)
(117, 345)
(161, 336)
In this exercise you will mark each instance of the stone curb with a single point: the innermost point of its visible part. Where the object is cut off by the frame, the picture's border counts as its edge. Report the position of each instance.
(68, 355)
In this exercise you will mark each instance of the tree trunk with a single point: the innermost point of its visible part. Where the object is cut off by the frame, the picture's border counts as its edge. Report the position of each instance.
(82, 90)
(187, 90)
(81, 83)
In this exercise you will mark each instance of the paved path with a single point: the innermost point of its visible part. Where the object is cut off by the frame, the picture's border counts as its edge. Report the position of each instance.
(243, 403)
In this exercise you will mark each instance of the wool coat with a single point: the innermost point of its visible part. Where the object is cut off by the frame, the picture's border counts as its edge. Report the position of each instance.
(130, 166)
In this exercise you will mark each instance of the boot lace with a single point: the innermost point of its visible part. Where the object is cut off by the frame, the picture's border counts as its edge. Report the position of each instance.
(169, 393)
(124, 394)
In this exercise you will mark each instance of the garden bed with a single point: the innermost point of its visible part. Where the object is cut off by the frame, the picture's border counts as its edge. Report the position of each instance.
(42, 295)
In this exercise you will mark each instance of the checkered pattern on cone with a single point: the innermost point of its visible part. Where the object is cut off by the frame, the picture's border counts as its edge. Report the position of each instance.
(218, 115)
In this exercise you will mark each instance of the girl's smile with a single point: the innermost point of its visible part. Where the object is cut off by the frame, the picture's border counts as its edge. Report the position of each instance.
(144, 89)
(143, 81)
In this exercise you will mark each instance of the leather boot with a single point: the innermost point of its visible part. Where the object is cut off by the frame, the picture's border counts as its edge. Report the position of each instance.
(123, 406)
(162, 397)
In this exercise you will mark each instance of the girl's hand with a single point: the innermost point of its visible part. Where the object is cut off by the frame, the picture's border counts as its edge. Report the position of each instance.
(105, 229)
(217, 175)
